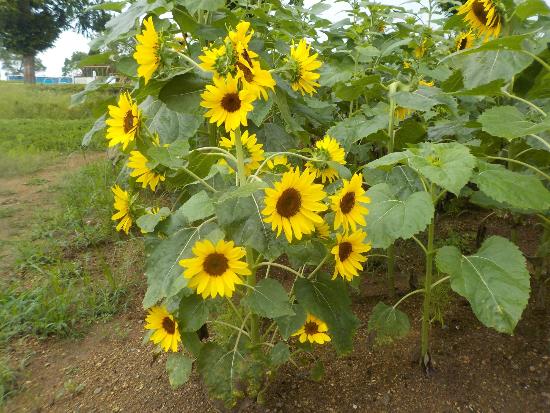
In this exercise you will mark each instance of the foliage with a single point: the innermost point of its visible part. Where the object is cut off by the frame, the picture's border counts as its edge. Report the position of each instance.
(13, 64)
(71, 65)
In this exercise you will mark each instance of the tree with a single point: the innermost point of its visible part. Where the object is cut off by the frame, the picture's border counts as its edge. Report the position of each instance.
(13, 64)
(70, 66)
(31, 26)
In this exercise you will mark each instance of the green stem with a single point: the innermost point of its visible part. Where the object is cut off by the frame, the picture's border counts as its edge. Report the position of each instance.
(541, 141)
(425, 334)
(421, 290)
(297, 155)
(223, 323)
(538, 59)
(213, 134)
(440, 281)
(546, 176)
(189, 60)
(390, 275)
(531, 104)
(284, 267)
(312, 273)
(241, 170)
(199, 179)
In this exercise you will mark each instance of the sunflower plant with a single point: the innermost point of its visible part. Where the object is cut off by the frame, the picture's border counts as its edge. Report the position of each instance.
(265, 165)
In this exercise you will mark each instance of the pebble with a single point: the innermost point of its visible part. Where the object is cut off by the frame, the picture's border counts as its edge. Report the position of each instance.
(532, 368)
(354, 406)
(97, 390)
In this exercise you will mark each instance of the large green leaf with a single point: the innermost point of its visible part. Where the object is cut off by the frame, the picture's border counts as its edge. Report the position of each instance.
(513, 188)
(388, 323)
(448, 165)
(288, 325)
(198, 207)
(207, 5)
(170, 156)
(269, 299)
(336, 71)
(508, 122)
(193, 313)
(530, 8)
(494, 280)
(179, 368)
(148, 222)
(391, 217)
(328, 300)
(215, 366)
(414, 100)
(353, 129)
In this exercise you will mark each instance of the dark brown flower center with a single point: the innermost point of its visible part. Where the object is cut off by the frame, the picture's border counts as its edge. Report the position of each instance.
(248, 75)
(247, 57)
(215, 264)
(128, 121)
(289, 203)
(344, 250)
(168, 325)
(347, 202)
(479, 10)
(231, 102)
(311, 327)
(462, 44)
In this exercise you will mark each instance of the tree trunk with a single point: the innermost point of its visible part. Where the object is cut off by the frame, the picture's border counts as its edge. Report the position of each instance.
(28, 69)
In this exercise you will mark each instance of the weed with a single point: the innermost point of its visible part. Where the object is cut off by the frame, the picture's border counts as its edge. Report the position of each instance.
(36, 182)
(7, 379)
(7, 211)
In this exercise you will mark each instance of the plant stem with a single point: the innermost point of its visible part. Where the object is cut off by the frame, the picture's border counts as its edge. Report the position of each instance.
(425, 337)
(541, 141)
(312, 273)
(421, 290)
(212, 134)
(390, 275)
(538, 59)
(284, 267)
(532, 105)
(297, 155)
(546, 176)
(241, 171)
(189, 60)
(199, 179)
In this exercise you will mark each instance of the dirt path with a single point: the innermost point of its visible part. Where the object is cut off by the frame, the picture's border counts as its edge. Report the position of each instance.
(22, 195)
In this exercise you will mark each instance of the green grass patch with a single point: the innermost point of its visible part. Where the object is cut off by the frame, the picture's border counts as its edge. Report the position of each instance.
(8, 379)
(18, 161)
(7, 211)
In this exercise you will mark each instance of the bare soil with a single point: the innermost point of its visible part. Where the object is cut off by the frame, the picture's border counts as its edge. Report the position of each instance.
(476, 368)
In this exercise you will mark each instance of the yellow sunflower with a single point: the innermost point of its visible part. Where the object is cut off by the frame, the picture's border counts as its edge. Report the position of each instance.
(212, 58)
(314, 331)
(165, 326)
(303, 66)
(464, 41)
(215, 269)
(402, 113)
(322, 230)
(138, 162)
(293, 205)
(482, 16)
(240, 36)
(420, 50)
(124, 121)
(422, 82)
(327, 149)
(255, 79)
(122, 205)
(253, 151)
(347, 204)
(147, 50)
(279, 164)
(348, 254)
(226, 103)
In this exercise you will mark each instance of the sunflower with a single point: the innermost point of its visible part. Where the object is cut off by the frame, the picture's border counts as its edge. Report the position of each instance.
(294, 204)
(313, 330)
(122, 205)
(322, 229)
(401, 113)
(253, 151)
(420, 50)
(147, 50)
(303, 66)
(213, 58)
(278, 164)
(165, 326)
(425, 83)
(327, 149)
(482, 16)
(464, 41)
(348, 254)
(138, 162)
(226, 103)
(215, 269)
(240, 36)
(124, 121)
(255, 79)
(347, 204)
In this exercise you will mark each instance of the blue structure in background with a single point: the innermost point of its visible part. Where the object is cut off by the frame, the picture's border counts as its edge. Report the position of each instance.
(44, 79)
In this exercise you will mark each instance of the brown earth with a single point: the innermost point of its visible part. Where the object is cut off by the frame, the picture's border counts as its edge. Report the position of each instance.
(476, 368)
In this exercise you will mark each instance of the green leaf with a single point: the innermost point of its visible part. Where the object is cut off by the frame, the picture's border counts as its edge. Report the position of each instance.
(261, 110)
(309, 252)
(513, 188)
(269, 299)
(448, 165)
(391, 217)
(288, 325)
(148, 222)
(196, 208)
(317, 372)
(242, 191)
(530, 8)
(388, 323)
(389, 159)
(414, 100)
(193, 313)
(494, 280)
(169, 156)
(508, 122)
(280, 354)
(215, 367)
(182, 93)
(280, 98)
(336, 71)
(207, 5)
(353, 129)
(179, 368)
(191, 342)
(99, 124)
(329, 301)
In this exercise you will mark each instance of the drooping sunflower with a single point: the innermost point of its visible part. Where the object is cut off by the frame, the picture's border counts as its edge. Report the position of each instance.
(314, 330)
(122, 205)
(402, 113)
(147, 50)
(213, 59)
(348, 204)
(327, 149)
(482, 16)
(215, 269)
(124, 121)
(138, 162)
(303, 66)
(255, 79)
(322, 229)
(253, 151)
(348, 254)
(278, 164)
(464, 41)
(165, 326)
(293, 205)
(226, 103)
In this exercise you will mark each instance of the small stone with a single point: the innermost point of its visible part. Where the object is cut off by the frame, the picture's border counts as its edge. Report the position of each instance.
(97, 390)
(532, 368)
(354, 406)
